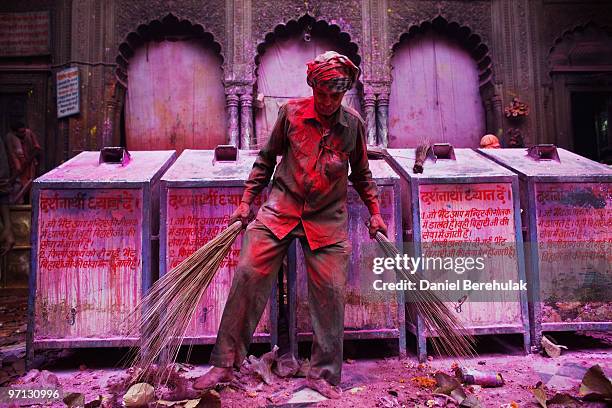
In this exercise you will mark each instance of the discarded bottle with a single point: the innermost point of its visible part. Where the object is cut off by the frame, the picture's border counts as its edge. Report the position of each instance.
(483, 378)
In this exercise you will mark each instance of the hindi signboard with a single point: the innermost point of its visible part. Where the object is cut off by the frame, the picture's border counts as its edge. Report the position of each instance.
(24, 34)
(94, 225)
(68, 92)
(567, 206)
(197, 198)
(464, 209)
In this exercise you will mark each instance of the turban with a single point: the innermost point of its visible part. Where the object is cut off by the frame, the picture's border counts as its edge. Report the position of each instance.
(333, 71)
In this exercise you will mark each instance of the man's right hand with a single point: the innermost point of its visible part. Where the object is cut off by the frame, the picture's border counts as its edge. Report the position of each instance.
(242, 213)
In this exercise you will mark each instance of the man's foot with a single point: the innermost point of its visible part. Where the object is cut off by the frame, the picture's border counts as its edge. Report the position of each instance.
(213, 377)
(324, 388)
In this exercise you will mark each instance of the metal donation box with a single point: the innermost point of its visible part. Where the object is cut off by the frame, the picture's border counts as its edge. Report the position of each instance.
(567, 210)
(461, 218)
(95, 226)
(368, 313)
(199, 193)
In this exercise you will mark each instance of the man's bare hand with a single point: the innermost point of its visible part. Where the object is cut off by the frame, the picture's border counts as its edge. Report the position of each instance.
(377, 224)
(242, 213)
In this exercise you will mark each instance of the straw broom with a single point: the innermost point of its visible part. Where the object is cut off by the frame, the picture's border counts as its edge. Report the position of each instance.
(451, 336)
(421, 156)
(166, 311)
(169, 306)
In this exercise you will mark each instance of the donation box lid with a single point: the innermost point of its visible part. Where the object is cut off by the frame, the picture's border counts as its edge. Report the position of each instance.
(569, 166)
(382, 172)
(198, 167)
(85, 168)
(466, 165)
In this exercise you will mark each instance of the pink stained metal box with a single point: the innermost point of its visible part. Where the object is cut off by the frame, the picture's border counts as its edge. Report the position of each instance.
(94, 233)
(198, 195)
(566, 201)
(465, 203)
(368, 313)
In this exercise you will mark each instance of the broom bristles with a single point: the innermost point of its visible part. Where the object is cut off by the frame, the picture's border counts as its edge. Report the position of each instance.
(167, 309)
(449, 334)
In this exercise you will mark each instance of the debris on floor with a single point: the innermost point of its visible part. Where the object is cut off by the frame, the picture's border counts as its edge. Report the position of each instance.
(596, 386)
(139, 395)
(551, 348)
(577, 377)
(476, 377)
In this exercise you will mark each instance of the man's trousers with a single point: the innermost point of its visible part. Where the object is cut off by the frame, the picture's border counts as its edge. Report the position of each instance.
(260, 259)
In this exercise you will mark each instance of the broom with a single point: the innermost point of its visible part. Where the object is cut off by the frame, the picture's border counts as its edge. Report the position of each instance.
(421, 156)
(167, 309)
(451, 336)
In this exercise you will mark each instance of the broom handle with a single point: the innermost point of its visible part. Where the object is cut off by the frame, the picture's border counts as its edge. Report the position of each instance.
(234, 223)
(380, 237)
(421, 156)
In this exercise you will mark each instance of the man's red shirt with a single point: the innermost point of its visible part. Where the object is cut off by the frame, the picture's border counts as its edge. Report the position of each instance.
(311, 182)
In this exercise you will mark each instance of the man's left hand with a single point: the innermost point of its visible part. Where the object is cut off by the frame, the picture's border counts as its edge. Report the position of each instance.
(377, 224)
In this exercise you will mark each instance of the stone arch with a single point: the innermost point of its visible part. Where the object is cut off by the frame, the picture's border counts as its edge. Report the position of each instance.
(579, 67)
(282, 51)
(159, 112)
(461, 47)
(167, 28)
(320, 27)
(471, 41)
(584, 44)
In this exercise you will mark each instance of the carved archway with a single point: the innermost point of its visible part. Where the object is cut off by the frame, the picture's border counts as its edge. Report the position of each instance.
(169, 28)
(176, 98)
(286, 50)
(471, 41)
(579, 65)
(317, 27)
(472, 53)
(586, 47)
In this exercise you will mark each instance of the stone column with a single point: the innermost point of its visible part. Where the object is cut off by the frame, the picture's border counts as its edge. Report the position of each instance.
(369, 108)
(109, 135)
(233, 128)
(246, 120)
(498, 109)
(382, 113)
(92, 22)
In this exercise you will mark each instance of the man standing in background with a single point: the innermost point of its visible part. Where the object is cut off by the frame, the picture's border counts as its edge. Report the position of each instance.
(7, 240)
(24, 153)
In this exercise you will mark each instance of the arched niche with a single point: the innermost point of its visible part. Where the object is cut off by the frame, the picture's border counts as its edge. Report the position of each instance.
(441, 89)
(584, 48)
(175, 99)
(281, 67)
(580, 68)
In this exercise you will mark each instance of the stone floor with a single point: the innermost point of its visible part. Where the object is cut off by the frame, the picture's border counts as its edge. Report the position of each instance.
(372, 375)
(13, 326)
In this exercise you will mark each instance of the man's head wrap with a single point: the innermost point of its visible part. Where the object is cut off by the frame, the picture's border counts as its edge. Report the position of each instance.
(332, 71)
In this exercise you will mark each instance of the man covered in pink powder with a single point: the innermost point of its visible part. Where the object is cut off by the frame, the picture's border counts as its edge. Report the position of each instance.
(317, 138)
